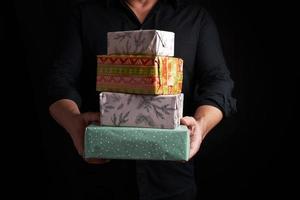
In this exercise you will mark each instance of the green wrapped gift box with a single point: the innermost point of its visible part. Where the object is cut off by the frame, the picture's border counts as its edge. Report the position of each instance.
(137, 143)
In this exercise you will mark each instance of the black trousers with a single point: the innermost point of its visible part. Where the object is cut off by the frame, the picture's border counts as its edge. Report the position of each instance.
(118, 180)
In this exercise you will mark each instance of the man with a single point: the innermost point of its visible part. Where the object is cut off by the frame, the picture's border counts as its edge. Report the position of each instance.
(207, 88)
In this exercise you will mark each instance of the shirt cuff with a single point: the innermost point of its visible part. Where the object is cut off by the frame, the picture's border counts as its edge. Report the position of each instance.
(63, 94)
(226, 104)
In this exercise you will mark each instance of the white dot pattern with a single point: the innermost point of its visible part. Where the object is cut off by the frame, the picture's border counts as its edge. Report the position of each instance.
(136, 143)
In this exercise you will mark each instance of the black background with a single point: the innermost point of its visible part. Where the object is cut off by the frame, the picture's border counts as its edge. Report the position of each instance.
(248, 156)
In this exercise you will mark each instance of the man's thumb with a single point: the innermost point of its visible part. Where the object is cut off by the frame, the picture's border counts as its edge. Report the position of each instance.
(186, 121)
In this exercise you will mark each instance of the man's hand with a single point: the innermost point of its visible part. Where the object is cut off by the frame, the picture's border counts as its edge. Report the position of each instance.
(77, 130)
(77, 125)
(206, 118)
(196, 134)
(67, 114)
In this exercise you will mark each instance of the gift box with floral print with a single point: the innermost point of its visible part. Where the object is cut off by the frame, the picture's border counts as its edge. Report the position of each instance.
(149, 111)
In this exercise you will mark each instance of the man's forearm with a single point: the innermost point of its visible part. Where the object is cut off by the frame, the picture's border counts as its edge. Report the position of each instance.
(208, 117)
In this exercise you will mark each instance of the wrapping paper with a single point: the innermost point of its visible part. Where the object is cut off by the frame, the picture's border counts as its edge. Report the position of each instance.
(148, 111)
(136, 143)
(141, 42)
(139, 74)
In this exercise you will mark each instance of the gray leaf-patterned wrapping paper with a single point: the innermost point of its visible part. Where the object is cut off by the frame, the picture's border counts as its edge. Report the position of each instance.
(148, 111)
(142, 42)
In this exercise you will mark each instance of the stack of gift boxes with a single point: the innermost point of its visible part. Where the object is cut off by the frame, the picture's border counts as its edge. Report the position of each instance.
(141, 103)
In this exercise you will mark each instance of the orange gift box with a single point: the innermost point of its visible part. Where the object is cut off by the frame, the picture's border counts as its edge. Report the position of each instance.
(139, 74)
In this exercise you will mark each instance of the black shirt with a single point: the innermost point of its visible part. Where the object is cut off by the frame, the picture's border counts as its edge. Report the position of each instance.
(206, 78)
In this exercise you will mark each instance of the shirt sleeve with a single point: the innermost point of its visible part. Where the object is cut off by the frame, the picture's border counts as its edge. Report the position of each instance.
(213, 82)
(64, 72)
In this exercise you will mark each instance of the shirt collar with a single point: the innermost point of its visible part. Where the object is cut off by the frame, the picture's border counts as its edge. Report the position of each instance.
(116, 2)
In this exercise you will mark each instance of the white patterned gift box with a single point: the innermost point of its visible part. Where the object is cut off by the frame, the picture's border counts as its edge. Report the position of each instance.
(148, 111)
(141, 42)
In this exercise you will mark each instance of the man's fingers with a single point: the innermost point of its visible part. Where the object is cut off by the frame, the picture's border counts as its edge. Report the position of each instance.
(96, 161)
(91, 117)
